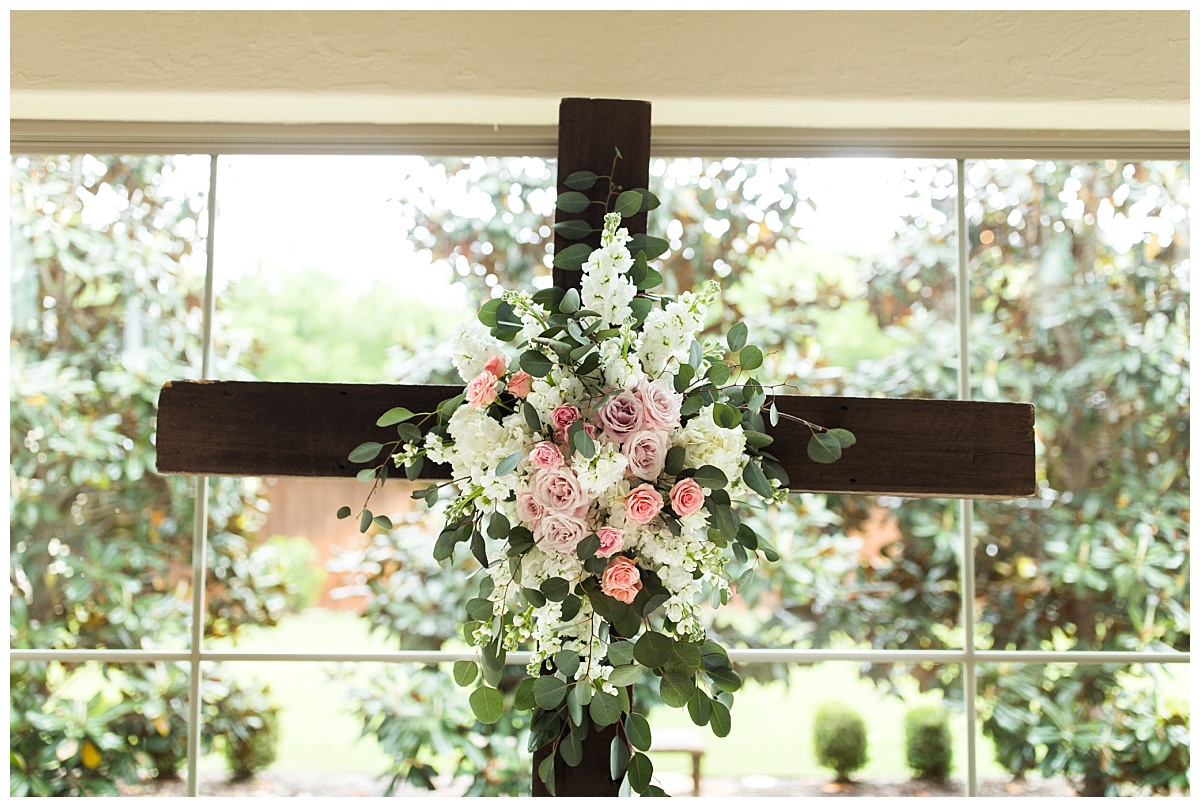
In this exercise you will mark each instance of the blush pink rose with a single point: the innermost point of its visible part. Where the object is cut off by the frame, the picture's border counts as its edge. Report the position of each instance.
(621, 579)
(647, 453)
(481, 391)
(559, 532)
(545, 455)
(643, 504)
(528, 509)
(611, 542)
(687, 497)
(563, 416)
(620, 416)
(661, 404)
(520, 384)
(557, 489)
(496, 365)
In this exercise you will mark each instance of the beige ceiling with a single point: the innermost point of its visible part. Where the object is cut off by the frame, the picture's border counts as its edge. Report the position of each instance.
(1017, 69)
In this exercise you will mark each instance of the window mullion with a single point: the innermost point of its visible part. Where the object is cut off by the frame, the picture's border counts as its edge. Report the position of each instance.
(200, 525)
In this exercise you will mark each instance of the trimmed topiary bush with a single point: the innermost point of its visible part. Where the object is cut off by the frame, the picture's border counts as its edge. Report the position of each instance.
(840, 738)
(928, 748)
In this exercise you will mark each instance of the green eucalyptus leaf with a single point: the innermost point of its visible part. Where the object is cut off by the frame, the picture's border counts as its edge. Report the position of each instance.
(487, 704)
(397, 414)
(675, 688)
(572, 202)
(365, 520)
(628, 204)
(756, 480)
(365, 452)
(699, 708)
(653, 649)
(509, 463)
(570, 303)
(650, 245)
(580, 180)
(718, 373)
(523, 699)
(720, 721)
(824, 448)
(725, 679)
(487, 312)
(845, 438)
(344, 512)
(588, 547)
(555, 589)
(618, 757)
(465, 673)
(726, 416)
(549, 692)
(535, 363)
(751, 358)
(620, 653)
(710, 476)
(626, 675)
(641, 770)
(605, 709)
(736, 339)
(637, 729)
(571, 748)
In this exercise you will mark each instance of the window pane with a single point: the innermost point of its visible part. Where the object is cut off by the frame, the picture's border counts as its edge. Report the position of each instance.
(1108, 729)
(772, 749)
(107, 278)
(95, 729)
(1080, 301)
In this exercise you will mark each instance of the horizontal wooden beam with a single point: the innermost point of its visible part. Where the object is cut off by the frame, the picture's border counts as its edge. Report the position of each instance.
(906, 447)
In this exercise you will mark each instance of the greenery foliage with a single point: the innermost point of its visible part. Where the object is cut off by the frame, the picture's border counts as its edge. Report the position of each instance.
(839, 738)
(928, 747)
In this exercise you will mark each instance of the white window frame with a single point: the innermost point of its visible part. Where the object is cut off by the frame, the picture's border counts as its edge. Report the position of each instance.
(216, 140)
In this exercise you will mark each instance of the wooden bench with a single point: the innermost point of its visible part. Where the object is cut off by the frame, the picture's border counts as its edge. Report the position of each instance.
(681, 741)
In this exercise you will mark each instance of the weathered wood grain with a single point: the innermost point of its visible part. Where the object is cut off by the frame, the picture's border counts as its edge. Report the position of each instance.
(906, 447)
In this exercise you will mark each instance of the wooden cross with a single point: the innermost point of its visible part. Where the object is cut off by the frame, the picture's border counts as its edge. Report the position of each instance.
(906, 447)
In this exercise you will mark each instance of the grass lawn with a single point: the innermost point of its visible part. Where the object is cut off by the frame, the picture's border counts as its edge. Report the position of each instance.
(772, 723)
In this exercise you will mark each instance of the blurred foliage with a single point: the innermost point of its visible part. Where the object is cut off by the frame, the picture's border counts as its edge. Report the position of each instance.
(106, 298)
(928, 746)
(839, 738)
(417, 714)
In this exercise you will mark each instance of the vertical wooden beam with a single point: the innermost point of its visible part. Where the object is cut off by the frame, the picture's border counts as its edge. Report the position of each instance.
(589, 133)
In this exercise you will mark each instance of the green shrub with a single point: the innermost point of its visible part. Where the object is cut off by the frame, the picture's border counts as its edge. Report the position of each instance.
(247, 722)
(928, 748)
(840, 738)
(247, 756)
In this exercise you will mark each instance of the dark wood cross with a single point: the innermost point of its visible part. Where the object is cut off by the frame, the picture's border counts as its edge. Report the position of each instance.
(906, 447)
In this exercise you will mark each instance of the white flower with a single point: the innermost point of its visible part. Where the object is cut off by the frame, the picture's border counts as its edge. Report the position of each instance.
(471, 345)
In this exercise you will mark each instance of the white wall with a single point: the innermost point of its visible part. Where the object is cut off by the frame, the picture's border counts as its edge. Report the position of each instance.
(1018, 69)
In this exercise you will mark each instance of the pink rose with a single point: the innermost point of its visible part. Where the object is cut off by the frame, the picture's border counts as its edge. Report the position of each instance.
(621, 579)
(563, 416)
(620, 416)
(661, 404)
(643, 504)
(647, 453)
(557, 490)
(481, 391)
(611, 542)
(561, 434)
(528, 509)
(520, 384)
(687, 497)
(559, 532)
(496, 365)
(545, 455)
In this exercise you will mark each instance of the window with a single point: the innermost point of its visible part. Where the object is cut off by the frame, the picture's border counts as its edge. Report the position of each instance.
(1076, 603)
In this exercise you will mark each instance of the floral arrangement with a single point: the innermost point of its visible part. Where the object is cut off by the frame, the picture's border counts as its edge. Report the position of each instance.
(598, 451)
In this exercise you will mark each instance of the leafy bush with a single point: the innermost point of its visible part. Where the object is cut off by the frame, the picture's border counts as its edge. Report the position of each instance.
(840, 738)
(928, 748)
(106, 304)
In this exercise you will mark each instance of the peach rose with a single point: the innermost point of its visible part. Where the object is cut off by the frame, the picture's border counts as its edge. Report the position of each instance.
(643, 504)
(611, 542)
(496, 365)
(557, 489)
(481, 391)
(661, 404)
(687, 497)
(545, 455)
(520, 384)
(647, 453)
(621, 579)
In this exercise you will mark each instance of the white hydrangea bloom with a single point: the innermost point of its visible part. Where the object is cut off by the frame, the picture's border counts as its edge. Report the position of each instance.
(471, 345)
(706, 443)
(603, 471)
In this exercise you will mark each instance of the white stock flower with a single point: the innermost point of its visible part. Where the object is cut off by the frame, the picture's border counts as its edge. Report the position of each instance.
(471, 345)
